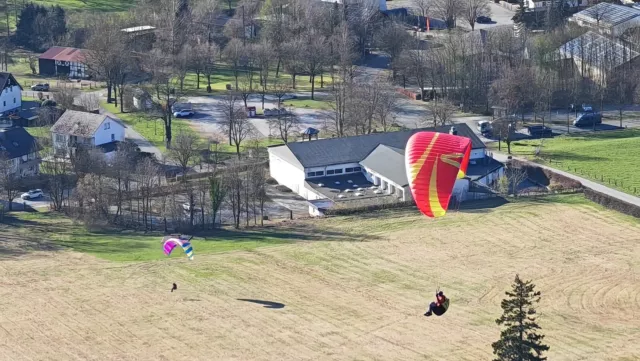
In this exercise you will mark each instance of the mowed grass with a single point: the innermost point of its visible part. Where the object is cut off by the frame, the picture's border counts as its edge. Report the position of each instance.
(609, 157)
(308, 103)
(351, 288)
(90, 5)
(127, 246)
(224, 75)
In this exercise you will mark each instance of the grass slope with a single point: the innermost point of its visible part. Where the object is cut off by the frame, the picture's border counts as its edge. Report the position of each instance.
(358, 294)
(601, 156)
(90, 5)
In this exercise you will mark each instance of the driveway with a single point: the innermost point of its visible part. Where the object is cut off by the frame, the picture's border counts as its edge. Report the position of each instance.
(138, 139)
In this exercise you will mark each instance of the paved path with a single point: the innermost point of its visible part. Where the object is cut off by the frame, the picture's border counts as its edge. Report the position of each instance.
(585, 182)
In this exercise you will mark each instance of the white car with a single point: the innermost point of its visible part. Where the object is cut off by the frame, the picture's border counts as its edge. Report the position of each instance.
(34, 193)
(183, 113)
(187, 208)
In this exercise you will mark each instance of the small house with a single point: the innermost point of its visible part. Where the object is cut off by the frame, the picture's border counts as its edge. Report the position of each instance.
(76, 129)
(63, 61)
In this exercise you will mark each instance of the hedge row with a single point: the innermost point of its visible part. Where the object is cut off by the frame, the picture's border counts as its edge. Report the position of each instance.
(547, 177)
(612, 203)
(369, 208)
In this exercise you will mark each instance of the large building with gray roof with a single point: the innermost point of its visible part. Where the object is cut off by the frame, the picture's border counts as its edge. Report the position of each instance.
(367, 169)
(608, 19)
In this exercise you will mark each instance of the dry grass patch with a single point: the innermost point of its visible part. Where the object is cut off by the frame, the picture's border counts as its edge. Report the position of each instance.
(343, 300)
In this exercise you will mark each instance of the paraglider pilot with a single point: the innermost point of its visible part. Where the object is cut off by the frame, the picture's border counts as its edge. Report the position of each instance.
(440, 306)
(174, 288)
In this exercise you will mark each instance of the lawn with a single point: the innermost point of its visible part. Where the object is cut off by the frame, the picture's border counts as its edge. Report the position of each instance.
(90, 5)
(127, 246)
(224, 75)
(150, 128)
(308, 103)
(340, 288)
(609, 157)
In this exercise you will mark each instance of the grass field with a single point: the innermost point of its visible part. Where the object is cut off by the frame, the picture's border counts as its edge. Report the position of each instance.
(351, 288)
(90, 5)
(603, 156)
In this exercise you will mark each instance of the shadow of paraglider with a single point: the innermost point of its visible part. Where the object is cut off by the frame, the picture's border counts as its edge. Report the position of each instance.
(267, 304)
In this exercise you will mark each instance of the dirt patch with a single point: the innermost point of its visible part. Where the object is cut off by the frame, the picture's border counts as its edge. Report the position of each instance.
(340, 300)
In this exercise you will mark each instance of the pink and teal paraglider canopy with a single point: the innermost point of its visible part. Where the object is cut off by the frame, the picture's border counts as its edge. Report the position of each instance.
(171, 242)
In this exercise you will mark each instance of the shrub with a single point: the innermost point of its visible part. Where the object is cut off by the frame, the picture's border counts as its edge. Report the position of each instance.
(612, 203)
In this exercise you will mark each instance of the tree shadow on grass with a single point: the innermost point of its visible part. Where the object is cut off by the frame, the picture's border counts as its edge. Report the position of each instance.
(290, 233)
(570, 156)
(266, 304)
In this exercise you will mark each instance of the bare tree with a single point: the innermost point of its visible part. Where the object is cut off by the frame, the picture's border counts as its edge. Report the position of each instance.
(285, 125)
(88, 101)
(264, 56)
(10, 181)
(233, 184)
(56, 173)
(393, 39)
(64, 97)
(293, 59)
(423, 7)
(280, 89)
(217, 195)
(147, 176)
(387, 107)
(314, 55)
(241, 128)
(449, 10)
(441, 112)
(234, 53)
(209, 52)
(258, 190)
(474, 8)
(515, 177)
(231, 108)
(185, 150)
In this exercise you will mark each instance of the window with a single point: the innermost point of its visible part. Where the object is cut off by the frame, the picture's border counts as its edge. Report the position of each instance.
(348, 170)
(338, 171)
(357, 169)
(331, 171)
(113, 137)
(59, 138)
(311, 174)
(4, 103)
(14, 100)
(107, 125)
(319, 173)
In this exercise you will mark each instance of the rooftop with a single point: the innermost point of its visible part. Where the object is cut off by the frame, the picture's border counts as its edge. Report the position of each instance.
(601, 51)
(80, 124)
(607, 14)
(7, 79)
(136, 29)
(323, 152)
(347, 187)
(64, 54)
(16, 142)
(388, 161)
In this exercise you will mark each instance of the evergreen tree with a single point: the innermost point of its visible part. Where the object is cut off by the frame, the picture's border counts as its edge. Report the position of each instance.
(27, 23)
(519, 340)
(58, 21)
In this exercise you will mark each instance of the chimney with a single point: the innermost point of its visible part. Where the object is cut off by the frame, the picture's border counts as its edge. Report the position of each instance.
(453, 131)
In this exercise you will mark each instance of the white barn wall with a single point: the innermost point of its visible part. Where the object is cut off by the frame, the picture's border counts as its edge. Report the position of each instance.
(286, 174)
(10, 98)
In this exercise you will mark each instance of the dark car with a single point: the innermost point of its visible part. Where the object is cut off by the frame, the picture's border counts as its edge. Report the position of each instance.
(539, 131)
(588, 119)
(40, 87)
(483, 20)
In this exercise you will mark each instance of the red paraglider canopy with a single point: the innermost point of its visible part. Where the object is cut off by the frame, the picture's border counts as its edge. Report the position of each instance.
(434, 161)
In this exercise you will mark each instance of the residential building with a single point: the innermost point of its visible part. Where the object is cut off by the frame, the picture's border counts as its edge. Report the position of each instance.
(17, 145)
(368, 168)
(609, 19)
(62, 61)
(10, 93)
(597, 56)
(542, 5)
(76, 129)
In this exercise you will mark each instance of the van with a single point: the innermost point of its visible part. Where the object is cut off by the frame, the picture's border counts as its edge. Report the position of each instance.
(484, 127)
(588, 119)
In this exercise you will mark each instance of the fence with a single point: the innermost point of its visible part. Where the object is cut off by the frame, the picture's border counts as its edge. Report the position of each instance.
(595, 176)
(61, 84)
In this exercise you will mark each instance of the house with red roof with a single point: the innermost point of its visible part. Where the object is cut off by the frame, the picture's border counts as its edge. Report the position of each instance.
(63, 61)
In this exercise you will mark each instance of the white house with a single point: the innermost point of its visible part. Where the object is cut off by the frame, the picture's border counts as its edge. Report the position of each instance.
(75, 129)
(10, 93)
(368, 168)
(540, 5)
(609, 19)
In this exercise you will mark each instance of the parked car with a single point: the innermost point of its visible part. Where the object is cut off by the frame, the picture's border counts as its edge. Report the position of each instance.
(484, 127)
(483, 20)
(588, 119)
(33, 193)
(539, 131)
(41, 87)
(183, 113)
